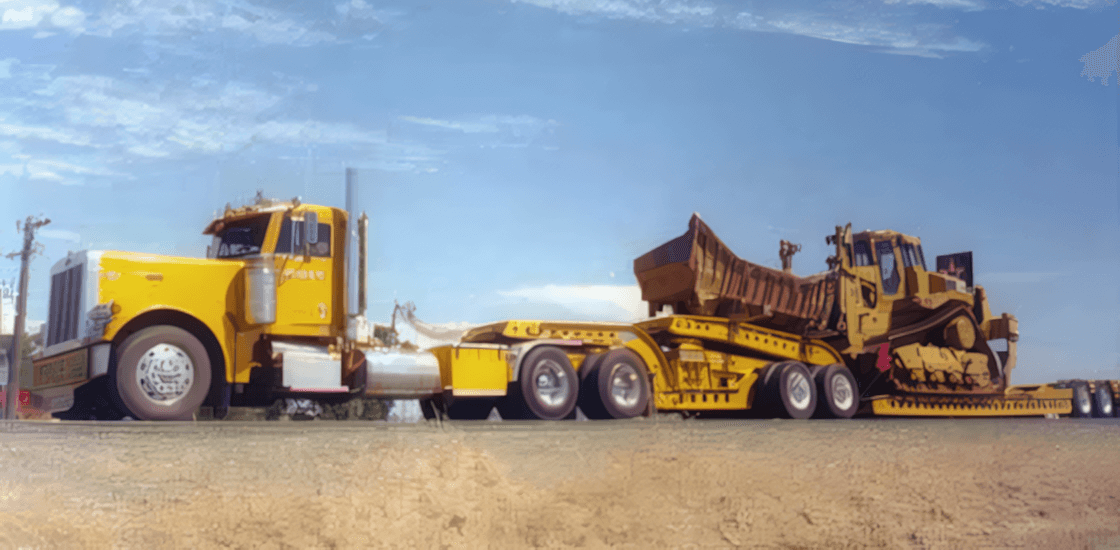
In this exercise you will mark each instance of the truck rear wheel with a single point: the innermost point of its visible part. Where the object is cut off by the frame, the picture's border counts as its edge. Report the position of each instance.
(546, 389)
(837, 396)
(789, 390)
(1082, 400)
(1102, 401)
(617, 386)
(161, 373)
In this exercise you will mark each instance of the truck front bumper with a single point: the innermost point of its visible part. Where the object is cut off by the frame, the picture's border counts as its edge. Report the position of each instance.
(53, 379)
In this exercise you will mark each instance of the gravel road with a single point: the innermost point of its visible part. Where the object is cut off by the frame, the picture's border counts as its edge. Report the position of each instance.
(644, 483)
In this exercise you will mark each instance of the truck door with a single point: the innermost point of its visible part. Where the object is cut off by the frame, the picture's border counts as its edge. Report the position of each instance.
(305, 274)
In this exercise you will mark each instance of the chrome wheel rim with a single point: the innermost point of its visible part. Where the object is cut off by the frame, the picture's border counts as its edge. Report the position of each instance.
(550, 383)
(626, 386)
(165, 373)
(842, 394)
(800, 392)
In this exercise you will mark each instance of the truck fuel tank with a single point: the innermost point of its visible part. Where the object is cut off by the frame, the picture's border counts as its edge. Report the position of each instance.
(401, 374)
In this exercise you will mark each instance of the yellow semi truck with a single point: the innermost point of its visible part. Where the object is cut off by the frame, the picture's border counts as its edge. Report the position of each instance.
(276, 310)
(266, 315)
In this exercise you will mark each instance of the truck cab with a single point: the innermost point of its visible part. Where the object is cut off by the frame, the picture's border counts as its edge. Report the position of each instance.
(154, 337)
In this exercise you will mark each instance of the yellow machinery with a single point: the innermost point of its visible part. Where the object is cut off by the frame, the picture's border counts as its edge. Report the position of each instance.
(878, 333)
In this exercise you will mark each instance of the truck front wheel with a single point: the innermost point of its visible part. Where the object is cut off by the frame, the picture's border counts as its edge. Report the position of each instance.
(161, 373)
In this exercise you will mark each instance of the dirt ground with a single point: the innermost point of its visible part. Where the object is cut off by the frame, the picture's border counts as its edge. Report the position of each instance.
(638, 484)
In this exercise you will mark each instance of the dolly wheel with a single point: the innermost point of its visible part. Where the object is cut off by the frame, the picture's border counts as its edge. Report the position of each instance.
(1102, 401)
(1082, 401)
(617, 386)
(546, 389)
(837, 396)
(789, 390)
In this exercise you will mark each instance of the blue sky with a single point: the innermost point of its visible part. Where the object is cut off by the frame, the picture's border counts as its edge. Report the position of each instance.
(516, 156)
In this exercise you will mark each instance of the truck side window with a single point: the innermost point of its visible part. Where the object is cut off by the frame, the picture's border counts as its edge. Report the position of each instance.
(922, 258)
(863, 254)
(291, 237)
(240, 238)
(887, 268)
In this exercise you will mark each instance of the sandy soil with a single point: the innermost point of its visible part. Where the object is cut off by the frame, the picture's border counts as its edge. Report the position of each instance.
(637, 484)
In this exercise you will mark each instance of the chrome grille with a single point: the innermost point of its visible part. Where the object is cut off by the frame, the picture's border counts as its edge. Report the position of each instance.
(65, 308)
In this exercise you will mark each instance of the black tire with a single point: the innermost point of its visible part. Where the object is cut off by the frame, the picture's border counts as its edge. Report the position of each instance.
(1082, 400)
(616, 386)
(1103, 407)
(588, 382)
(547, 387)
(470, 408)
(428, 408)
(837, 392)
(788, 390)
(92, 401)
(143, 394)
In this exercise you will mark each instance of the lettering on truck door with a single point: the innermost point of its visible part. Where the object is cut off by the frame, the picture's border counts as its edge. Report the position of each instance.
(305, 275)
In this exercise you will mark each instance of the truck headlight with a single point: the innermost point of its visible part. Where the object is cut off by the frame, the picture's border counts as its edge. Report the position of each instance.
(98, 318)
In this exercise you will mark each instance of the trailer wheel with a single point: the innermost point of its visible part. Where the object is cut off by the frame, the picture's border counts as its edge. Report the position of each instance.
(1082, 401)
(161, 373)
(789, 390)
(546, 389)
(616, 387)
(1102, 401)
(837, 396)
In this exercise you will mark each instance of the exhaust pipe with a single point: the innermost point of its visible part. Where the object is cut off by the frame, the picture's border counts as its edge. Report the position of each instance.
(358, 230)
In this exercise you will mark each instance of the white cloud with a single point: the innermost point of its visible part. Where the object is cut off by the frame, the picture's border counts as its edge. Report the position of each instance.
(842, 24)
(169, 120)
(602, 302)
(6, 67)
(508, 130)
(1075, 4)
(61, 235)
(117, 120)
(44, 133)
(1102, 62)
(965, 5)
(26, 14)
(354, 19)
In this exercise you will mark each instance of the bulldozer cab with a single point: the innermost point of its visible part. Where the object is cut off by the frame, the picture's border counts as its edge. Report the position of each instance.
(885, 267)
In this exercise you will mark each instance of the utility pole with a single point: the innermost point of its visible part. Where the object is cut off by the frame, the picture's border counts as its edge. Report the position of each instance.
(29, 227)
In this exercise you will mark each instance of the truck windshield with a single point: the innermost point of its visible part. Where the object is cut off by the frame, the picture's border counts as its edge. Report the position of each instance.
(240, 238)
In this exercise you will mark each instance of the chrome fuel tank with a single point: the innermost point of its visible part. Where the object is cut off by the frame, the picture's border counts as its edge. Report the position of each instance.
(401, 375)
